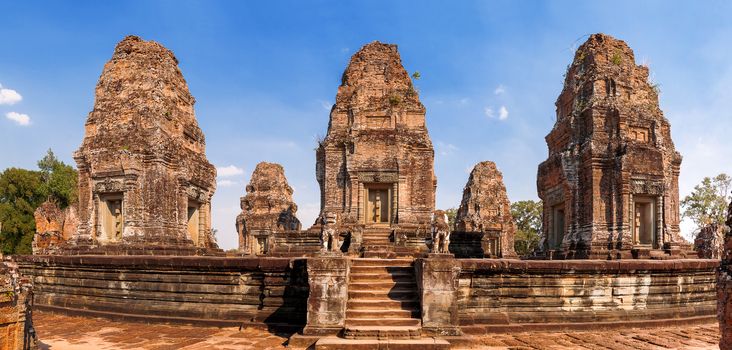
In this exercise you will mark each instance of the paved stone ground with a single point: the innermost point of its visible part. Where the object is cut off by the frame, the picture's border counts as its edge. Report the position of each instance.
(58, 332)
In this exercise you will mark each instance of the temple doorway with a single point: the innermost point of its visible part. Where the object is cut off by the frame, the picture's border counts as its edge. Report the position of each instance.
(378, 204)
(193, 222)
(556, 233)
(644, 229)
(112, 217)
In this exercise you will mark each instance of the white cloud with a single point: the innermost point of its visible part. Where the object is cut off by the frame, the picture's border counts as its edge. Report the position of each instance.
(489, 112)
(445, 149)
(229, 171)
(20, 118)
(503, 113)
(464, 101)
(9, 97)
(226, 183)
(500, 89)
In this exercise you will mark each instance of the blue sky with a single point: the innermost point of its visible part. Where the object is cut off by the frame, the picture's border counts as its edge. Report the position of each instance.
(264, 75)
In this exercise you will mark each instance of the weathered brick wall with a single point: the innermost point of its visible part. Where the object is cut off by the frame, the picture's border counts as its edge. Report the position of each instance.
(191, 289)
(16, 325)
(501, 293)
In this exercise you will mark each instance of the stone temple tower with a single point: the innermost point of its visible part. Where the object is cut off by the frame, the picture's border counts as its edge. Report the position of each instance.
(610, 184)
(375, 165)
(144, 180)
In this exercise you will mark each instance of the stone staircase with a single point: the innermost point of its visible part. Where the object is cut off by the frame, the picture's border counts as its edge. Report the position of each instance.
(376, 242)
(383, 302)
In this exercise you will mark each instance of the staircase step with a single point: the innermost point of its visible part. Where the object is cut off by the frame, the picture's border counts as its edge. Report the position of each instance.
(333, 343)
(376, 277)
(386, 270)
(383, 322)
(398, 294)
(382, 262)
(379, 332)
(371, 304)
(386, 313)
(382, 286)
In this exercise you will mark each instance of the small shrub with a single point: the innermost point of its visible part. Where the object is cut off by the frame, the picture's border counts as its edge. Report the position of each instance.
(617, 59)
(394, 100)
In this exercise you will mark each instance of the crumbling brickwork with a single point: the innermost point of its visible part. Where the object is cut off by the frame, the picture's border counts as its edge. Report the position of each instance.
(53, 227)
(267, 208)
(724, 288)
(709, 242)
(16, 323)
(485, 208)
(144, 179)
(376, 161)
(610, 184)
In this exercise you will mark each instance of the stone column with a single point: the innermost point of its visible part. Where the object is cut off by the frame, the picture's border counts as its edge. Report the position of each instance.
(658, 237)
(328, 281)
(437, 278)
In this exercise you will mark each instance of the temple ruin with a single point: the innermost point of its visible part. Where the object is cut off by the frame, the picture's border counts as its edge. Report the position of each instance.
(375, 165)
(16, 323)
(486, 211)
(144, 180)
(610, 184)
(53, 227)
(267, 208)
(380, 266)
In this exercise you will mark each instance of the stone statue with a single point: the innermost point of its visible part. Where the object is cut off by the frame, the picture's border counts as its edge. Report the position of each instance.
(329, 234)
(377, 208)
(440, 232)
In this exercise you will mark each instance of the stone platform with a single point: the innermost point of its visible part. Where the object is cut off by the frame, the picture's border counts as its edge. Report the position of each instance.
(59, 332)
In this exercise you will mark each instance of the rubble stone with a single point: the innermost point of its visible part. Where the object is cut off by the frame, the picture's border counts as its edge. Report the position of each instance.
(53, 227)
(485, 208)
(709, 242)
(144, 179)
(610, 184)
(266, 208)
(16, 321)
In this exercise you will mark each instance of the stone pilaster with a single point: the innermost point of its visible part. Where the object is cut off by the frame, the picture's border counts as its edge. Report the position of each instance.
(328, 281)
(438, 287)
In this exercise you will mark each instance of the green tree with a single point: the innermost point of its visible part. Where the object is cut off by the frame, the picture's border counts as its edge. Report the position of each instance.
(451, 215)
(59, 179)
(527, 215)
(707, 203)
(21, 192)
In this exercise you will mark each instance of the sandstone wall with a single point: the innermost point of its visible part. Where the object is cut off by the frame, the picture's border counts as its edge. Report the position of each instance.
(504, 293)
(16, 324)
(189, 289)
(492, 293)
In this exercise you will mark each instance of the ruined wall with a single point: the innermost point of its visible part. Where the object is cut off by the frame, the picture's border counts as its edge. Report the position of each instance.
(53, 227)
(377, 136)
(16, 323)
(266, 208)
(724, 288)
(501, 293)
(485, 208)
(143, 174)
(214, 290)
(609, 149)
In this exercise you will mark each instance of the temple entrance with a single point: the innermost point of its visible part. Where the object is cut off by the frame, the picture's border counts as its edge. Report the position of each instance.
(643, 221)
(378, 204)
(556, 232)
(111, 217)
(194, 221)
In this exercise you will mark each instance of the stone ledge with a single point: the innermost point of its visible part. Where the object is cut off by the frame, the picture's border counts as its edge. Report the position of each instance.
(570, 266)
